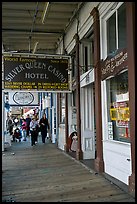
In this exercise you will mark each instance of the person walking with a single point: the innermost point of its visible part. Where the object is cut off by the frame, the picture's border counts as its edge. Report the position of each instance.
(33, 130)
(16, 121)
(24, 129)
(9, 125)
(37, 129)
(44, 126)
(28, 120)
(20, 121)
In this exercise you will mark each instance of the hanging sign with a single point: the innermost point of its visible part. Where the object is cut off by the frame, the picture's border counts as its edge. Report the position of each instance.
(114, 63)
(41, 74)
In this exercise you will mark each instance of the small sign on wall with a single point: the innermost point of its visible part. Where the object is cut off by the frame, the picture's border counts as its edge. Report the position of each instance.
(23, 98)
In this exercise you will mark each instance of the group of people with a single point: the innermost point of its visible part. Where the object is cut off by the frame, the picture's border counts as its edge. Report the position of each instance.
(31, 126)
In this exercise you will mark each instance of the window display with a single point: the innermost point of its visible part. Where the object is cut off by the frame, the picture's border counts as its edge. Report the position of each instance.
(118, 107)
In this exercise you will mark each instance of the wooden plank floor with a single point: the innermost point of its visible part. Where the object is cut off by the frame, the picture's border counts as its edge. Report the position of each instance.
(44, 173)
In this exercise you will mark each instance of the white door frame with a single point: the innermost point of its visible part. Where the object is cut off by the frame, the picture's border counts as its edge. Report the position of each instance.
(88, 116)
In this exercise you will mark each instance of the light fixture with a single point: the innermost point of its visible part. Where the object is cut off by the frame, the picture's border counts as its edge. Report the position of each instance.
(35, 47)
(46, 8)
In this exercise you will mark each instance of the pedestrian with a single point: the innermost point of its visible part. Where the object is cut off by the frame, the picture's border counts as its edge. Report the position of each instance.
(24, 129)
(33, 130)
(20, 121)
(44, 126)
(37, 129)
(28, 120)
(9, 125)
(16, 121)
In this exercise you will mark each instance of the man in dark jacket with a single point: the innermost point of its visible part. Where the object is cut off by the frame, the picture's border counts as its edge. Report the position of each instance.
(9, 125)
(28, 120)
(44, 126)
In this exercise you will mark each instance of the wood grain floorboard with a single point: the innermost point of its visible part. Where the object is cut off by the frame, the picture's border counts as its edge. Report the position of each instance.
(45, 173)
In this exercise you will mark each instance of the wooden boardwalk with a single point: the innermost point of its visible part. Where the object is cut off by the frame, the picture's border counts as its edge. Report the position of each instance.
(44, 173)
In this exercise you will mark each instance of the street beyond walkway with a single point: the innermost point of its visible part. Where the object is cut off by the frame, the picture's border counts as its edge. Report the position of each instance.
(44, 173)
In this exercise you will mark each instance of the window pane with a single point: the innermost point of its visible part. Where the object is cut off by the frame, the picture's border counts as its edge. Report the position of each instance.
(111, 34)
(86, 59)
(118, 108)
(122, 26)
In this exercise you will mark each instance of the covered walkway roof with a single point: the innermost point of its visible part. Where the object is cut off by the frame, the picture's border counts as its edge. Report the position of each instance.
(36, 27)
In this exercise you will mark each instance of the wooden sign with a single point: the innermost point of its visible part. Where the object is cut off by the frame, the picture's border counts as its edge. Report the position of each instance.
(114, 64)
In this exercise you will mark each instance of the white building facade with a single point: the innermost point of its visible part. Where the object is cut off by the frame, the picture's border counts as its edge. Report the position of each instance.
(116, 144)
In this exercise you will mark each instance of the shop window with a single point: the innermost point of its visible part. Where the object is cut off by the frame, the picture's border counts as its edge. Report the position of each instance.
(111, 33)
(122, 26)
(87, 53)
(86, 58)
(118, 108)
(116, 30)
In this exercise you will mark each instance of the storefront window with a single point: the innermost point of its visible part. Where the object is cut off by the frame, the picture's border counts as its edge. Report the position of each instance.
(111, 33)
(116, 30)
(122, 26)
(118, 107)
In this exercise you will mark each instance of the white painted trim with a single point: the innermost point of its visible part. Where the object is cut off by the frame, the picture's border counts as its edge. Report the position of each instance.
(83, 78)
(85, 27)
(85, 23)
(117, 160)
(116, 154)
(105, 13)
(104, 111)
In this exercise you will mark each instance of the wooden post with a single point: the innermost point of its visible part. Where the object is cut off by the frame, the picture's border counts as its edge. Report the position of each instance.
(58, 116)
(99, 163)
(79, 154)
(66, 108)
(130, 14)
(66, 123)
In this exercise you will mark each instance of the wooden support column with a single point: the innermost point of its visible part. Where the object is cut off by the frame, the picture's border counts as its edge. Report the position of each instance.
(79, 154)
(66, 149)
(66, 123)
(130, 13)
(99, 163)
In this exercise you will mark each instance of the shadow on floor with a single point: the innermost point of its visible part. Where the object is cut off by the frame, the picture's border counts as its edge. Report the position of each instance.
(87, 162)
